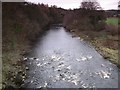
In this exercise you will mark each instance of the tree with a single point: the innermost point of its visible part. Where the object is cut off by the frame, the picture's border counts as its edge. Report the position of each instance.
(90, 5)
(119, 5)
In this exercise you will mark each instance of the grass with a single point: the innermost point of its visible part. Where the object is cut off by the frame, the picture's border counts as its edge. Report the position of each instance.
(10, 66)
(109, 53)
(112, 21)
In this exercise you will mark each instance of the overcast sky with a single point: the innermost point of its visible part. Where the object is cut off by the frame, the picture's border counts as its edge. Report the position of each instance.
(67, 4)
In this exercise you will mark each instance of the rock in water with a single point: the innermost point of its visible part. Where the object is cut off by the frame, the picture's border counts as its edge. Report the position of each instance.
(26, 68)
(25, 59)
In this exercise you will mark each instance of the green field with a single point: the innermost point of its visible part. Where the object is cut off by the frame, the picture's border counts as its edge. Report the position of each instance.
(112, 21)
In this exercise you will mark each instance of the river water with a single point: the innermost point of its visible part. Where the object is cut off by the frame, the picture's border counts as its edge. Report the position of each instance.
(59, 60)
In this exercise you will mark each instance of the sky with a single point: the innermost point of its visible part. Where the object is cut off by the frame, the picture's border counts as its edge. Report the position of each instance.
(67, 4)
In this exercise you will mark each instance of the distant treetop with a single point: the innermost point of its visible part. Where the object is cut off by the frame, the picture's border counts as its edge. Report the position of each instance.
(90, 5)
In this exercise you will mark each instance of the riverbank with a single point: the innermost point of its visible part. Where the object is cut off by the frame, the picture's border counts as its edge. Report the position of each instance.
(106, 45)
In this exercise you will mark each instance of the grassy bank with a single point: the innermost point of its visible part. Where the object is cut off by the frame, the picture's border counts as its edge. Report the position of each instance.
(112, 21)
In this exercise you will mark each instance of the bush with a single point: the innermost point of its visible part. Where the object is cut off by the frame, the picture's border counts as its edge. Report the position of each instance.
(112, 30)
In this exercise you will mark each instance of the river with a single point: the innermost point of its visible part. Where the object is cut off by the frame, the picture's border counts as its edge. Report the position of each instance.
(59, 60)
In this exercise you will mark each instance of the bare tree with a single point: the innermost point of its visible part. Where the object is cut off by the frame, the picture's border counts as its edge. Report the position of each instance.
(90, 5)
(119, 5)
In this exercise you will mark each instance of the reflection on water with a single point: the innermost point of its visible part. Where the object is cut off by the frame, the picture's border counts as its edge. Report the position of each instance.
(61, 61)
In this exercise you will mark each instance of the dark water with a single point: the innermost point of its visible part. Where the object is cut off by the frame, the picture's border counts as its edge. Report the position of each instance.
(62, 61)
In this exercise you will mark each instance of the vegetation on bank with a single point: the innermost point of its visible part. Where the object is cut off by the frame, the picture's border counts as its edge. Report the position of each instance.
(112, 21)
(22, 24)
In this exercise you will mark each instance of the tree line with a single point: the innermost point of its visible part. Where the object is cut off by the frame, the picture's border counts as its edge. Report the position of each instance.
(89, 16)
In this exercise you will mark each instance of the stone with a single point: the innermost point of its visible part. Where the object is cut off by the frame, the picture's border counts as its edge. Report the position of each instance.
(26, 68)
(25, 59)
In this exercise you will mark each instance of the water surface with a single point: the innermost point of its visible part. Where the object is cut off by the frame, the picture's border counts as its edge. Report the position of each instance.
(62, 61)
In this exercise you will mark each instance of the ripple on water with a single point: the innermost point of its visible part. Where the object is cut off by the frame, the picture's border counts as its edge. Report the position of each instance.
(62, 58)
